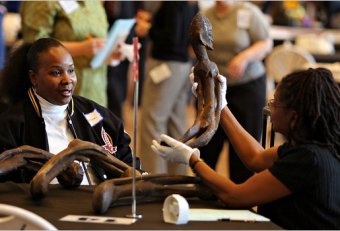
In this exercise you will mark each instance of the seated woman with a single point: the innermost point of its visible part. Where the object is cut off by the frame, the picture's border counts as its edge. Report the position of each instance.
(297, 184)
(37, 84)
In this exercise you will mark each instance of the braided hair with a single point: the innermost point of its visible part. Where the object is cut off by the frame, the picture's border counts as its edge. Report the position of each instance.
(14, 79)
(315, 96)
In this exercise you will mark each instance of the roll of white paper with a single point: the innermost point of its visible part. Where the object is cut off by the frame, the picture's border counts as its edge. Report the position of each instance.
(176, 210)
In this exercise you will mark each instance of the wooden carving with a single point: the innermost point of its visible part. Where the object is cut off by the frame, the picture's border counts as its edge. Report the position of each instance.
(208, 89)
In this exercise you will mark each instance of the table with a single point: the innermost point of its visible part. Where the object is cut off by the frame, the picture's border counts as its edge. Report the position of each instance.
(60, 202)
(290, 33)
(331, 58)
(333, 67)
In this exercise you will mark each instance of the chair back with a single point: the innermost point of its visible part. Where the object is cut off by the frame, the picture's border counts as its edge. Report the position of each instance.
(13, 217)
(286, 58)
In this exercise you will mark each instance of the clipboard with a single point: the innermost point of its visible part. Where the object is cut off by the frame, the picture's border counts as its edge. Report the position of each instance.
(117, 35)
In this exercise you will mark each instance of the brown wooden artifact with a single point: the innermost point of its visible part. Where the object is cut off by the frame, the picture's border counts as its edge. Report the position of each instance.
(208, 89)
(149, 188)
(32, 159)
(22, 156)
(81, 151)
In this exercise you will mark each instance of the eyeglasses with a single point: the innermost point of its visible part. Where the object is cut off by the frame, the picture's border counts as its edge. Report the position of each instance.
(272, 103)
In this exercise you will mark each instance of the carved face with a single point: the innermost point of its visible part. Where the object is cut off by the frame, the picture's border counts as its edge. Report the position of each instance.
(55, 77)
(201, 31)
(208, 36)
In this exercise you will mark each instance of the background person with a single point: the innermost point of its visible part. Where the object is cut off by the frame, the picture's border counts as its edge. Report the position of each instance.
(241, 42)
(117, 77)
(165, 90)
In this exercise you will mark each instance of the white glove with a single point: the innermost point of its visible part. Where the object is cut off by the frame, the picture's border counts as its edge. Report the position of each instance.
(194, 84)
(223, 85)
(176, 152)
(127, 51)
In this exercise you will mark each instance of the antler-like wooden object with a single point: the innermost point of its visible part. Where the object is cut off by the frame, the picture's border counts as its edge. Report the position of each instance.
(149, 188)
(81, 151)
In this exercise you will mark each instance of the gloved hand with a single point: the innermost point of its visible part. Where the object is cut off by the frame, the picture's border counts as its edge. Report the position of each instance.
(194, 84)
(127, 51)
(223, 85)
(176, 152)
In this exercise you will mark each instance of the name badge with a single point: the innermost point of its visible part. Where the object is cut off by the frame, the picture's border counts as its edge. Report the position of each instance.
(243, 19)
(69, 6)
(93, 118)
(160, 73)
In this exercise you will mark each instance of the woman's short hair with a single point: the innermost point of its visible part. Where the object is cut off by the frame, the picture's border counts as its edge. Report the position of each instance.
(14, 79)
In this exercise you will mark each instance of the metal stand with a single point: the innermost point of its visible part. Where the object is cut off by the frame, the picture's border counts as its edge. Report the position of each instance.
(266, 113)
(135, 110)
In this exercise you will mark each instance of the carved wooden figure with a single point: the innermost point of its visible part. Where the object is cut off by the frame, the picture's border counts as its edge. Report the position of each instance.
(208, 89)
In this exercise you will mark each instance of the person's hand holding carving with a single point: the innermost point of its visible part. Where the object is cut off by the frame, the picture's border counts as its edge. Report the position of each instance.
(176, 151)
(192, 81)
(223, 91)
(223, 85)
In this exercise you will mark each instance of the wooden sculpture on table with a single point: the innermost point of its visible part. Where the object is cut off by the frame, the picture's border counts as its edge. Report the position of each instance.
(69, 173)
(149, 188)
(81, 151)
(208, 88)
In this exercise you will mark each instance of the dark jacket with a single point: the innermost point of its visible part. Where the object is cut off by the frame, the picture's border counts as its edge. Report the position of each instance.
(170, 31)
(22, 124)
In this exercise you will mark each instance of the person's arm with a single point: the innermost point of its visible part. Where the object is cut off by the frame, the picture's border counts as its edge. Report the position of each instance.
(260, 43)
(249, 150)
(252, 154)
(88, 47)
(259, 189)
(257, 51)
(38, 19)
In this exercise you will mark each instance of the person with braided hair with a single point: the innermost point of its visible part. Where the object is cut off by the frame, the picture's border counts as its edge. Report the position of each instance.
(297, 184)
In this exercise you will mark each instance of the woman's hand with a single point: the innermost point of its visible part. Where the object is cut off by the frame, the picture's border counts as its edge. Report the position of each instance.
(237, 66)
(92, 46)
(143, 24)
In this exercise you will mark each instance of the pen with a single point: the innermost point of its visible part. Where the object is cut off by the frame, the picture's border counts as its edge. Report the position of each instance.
(237, 219)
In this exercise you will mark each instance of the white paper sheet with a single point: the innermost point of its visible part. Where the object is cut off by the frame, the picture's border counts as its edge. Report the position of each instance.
(99, 219)
(227, 215)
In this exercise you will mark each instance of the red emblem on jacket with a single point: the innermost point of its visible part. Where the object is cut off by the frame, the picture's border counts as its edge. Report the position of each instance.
(108, 142)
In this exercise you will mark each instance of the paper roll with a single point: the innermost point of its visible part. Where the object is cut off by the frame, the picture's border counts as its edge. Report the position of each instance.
(176, 210)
